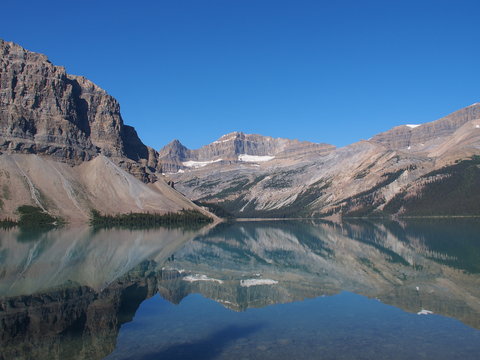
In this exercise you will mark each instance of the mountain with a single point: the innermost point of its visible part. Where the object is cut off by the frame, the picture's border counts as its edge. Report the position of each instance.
(427, 169)
(65, 149)
(237, 148)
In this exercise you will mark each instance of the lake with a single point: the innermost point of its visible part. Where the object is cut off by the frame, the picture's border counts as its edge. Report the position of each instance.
(244, 290)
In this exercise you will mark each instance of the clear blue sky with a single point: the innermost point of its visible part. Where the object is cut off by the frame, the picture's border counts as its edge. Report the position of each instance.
(323, 71)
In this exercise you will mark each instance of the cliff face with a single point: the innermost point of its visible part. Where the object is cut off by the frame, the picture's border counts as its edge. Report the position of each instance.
(429, 134)
(44, 110)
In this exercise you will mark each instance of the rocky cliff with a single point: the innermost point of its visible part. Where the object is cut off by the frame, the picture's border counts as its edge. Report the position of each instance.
(44, 110)
(423, 137)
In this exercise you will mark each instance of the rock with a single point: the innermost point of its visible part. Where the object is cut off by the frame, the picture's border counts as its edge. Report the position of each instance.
(44, 110)
(402, 137)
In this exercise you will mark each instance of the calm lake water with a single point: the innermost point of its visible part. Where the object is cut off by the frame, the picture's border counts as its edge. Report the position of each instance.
(246, 290)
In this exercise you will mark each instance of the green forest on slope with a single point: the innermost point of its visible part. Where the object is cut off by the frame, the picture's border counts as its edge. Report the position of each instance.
(456, 193)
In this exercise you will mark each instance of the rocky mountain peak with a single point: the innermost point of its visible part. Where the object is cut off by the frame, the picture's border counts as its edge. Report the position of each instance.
(236, 147)
(15, 51)
(44, 110)
(174, 150)
(232, 136)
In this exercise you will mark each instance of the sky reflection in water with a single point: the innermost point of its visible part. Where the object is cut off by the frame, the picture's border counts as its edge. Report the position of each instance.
(344, 326)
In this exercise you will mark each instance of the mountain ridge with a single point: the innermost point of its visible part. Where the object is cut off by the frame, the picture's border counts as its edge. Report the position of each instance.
(236, 147)
(359, 179)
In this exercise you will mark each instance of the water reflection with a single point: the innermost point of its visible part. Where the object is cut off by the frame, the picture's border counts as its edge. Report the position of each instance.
(206, 348)
(66, 292)
(79, 255)
(401, 264)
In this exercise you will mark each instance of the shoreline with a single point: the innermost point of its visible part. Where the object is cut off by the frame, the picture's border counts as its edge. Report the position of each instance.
(356, 218)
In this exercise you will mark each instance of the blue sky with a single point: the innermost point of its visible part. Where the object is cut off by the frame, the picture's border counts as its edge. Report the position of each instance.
(323, 71)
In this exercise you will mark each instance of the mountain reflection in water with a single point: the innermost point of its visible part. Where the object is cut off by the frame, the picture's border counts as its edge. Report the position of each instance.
(65, 293)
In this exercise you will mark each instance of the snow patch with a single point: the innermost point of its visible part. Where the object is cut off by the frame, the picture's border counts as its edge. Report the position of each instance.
(223, 141)
(255, 282)
(225, 302)
(180, 271)
(199, 277)
(254, 158)
(477, 126)
(180, 171)
(424, 312)
(199, 164)
(412, 126)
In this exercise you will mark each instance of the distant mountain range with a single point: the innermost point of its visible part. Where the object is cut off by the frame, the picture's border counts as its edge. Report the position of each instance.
(65, 149)
(236, 148)
(418, 170)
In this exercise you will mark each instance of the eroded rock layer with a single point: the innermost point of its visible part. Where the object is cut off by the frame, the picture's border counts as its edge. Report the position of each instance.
(44, 110)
